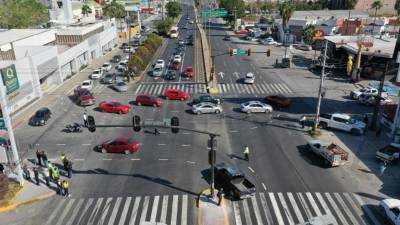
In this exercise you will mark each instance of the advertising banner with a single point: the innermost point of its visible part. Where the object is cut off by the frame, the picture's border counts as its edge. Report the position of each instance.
(10, 78)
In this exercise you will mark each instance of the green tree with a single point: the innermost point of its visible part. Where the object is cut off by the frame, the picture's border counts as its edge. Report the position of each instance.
(230, 6)
(86, 10)
(375, 5)
(308, 34)
(174, 9)
(286, 10)
(350, 4)
(157, 38)
(268, 6)
(136, 64)
(152, 43)
(164, 26)
(17, 14)
(143, 53)
(114, 10)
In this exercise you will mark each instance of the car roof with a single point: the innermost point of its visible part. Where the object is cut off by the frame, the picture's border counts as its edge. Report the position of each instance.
(44, 109)
(341, 115)
(86, 81)
(252, 102)
(232, 169)
(173, 89)
(121, 139)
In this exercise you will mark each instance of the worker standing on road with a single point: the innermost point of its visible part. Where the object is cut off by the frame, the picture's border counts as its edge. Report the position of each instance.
(85, 119)
(303, 121)
(39, 157)
(64, 161)
(47, 176)
(59, 187)
(50, 167)
(69, 169)
(65, 187)
(220, 194)
(56, 174)
(246, 153)
(26, 172)
(382, 168)
(36, 174)
(156, 132)
(45, 159)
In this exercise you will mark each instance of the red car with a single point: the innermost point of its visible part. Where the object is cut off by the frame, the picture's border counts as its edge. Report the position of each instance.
(189, 71)
(121, 145)
(176, 94)
(84, 97)
(175, 65)
(278, 100)
(242, 32)
(114, 107)
(148, 100)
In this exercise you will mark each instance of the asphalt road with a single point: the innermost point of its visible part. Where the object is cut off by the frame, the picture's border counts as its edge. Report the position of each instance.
(161, 180)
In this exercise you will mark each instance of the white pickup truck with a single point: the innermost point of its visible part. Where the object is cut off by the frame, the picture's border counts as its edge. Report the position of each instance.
(341, 121)
(392, 210)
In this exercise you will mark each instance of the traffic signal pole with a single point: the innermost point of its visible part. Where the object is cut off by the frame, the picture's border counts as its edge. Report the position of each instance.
(321, 84)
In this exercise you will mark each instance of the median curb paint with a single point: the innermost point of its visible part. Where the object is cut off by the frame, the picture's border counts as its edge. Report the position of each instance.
(223, 205)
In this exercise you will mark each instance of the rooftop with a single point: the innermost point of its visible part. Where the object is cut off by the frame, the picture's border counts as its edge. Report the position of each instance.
(8, 36)
(317, 14)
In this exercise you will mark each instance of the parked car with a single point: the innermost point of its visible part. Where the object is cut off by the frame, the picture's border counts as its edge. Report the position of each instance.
(108, 78)
(191, 22)
(84, 97)
(234, 181)
(206, 98)
(129, 49)
(106, 67)
(304, 47)
(97, 74)
(120, 71)
(176, 94)
(120, 145)
(206, 107)
(370, 99)
(189, 72)
(175, 65)
(116, 59)
(170, 75)
(87, 84)
(120, 86)
(149, 100)
(341, 121)
(391, 209)
(268, 41)
(138, 35)
(365, 90)
(386, 154)
(181, 42)
(114, 107)
(41, 117)
(177, 58)
(255, 106)
(185, 26)
(123, 45)
(157, 71)
(250, 78)
(278, 100)
(122, 65)
(160, 63)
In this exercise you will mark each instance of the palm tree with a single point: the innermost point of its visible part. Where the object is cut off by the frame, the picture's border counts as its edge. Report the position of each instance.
(86, 10)
(351, 4)
(286, 10)
(114, 10)
(375, 5)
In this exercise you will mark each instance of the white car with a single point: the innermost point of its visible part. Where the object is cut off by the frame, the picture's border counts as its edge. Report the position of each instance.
(177, 58)
(138, 36)
(391, 208)
(160, 63)
(255, 106)
(106, 66)
(157, 71)
(367, 90)
(370, 99)
(269, 41)
(206, 107)
(181, 42)
(97, 74)
(87, 84)
(250, 78)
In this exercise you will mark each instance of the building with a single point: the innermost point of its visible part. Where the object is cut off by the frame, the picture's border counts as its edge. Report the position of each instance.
(32, 60)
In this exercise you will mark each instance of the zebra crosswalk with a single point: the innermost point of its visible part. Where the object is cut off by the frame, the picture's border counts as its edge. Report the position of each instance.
(226, 88)
(263, 208)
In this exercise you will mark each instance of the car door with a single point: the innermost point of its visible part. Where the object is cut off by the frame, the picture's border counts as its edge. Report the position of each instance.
(175, 95)
(207, 108)
(112, 147)
(256, 107)
(147, 100)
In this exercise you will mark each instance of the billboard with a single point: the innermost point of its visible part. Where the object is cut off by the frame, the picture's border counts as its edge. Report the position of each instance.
(10, 78)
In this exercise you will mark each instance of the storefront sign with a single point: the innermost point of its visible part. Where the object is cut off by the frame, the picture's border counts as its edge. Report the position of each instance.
(10, 78)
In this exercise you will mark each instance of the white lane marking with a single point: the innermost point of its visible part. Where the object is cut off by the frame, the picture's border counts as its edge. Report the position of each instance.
(163, 132)
(138, 89)
(276, 208)
(163, 159)
(134, 211)
(154, 209)
(236, 211)
(174, 212)
(246, 211)
(366, 209)
(313, 203)
(265, 187)
(252, 128)
(184, 210)
(304, 204)
(60, 144)
(135, 159)
(114, 211)
(346, 209)
(265, 207)
(161, 144)
(78, 159)
(144, 209)
(285, 208)
(233, 131)
(341, 218)
(325, 206)
(185, 133)
(174, 111)
(107, 159)
(191, 162)
(55, 211)
(251, 169)
(105, 211)
(185, 145)
(295, 207)
(95, 211)
(125, 210)
(88, 204)
(164, 208)
(86, 144)
(256, 210)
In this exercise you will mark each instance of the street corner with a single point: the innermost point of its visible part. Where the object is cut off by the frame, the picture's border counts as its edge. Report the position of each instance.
(211, 209)
(214, 91)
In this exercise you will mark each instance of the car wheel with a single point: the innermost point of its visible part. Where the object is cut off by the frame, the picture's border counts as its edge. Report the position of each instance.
(248, 111)
(323, 125)
(217, 111)
(267, 111)
(127, 152)
(154, 105)
(198, 112)
(103, 150)
(166, 97)
(139, 104)
(182, 99)
(120, 112)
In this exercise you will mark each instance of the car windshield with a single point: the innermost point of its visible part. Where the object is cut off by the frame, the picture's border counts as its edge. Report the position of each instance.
(116, 104)
(121, 84)
(39, 114)
(249, 75)
(85, 83)
(109, 76)
(157, 69)
(96, 71)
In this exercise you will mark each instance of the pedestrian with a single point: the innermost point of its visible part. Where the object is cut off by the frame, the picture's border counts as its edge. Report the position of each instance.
(39, 157)
(56, 173)
(46, 175)
(36, 174)
(246, 152)
(156, 132)
(45, 159)
(69, 169)
(365, 120)
(64, 161)
(59, 187)
(65, 187)
(51, 168)
(27, 172)
(85, 122)
(1, 168)
(303, 121)
(220, 194)
(382, 168)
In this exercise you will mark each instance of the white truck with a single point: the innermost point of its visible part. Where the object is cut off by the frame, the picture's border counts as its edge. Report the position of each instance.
(332, 154)
(341, 121)
(173, 33)
(391, 208)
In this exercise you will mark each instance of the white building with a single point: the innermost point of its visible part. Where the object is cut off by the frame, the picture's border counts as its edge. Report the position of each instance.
(32, 59)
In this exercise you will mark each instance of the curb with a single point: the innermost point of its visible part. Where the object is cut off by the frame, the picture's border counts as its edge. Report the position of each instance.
(199, 221)
(26, 202)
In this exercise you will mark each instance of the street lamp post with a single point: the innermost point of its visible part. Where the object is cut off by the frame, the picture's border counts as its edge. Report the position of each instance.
(321, 84)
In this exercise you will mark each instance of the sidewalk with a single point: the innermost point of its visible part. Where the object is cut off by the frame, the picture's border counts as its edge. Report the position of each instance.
(210, 213)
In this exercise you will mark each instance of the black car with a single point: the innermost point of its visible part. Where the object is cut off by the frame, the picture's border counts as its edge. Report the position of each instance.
(41, 117)
(116, 59)
(124, 45)
(206, 98)
(171, 75)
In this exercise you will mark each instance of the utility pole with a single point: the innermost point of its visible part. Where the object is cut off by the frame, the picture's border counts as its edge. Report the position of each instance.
(378, 98)
(321, 84)
(162, 9)
(212, 159)
(347, 24)
(234, 22)
(10, 132)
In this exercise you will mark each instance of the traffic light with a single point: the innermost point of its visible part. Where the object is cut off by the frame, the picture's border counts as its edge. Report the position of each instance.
(136, 123)
(175, 124)
(268, 52)
(231, 51)
(91, 124)
(249, 52)
(212, 155)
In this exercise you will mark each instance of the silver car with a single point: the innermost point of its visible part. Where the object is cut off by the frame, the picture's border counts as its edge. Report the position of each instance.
(250, 78)
(206, 107)
(255, 107)
(120, 86)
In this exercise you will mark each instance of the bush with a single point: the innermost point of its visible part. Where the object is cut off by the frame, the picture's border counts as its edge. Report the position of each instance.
(164, 26)
(151, 42)
(149, 47)
(136, 64)
(143, 53)
(155, 37)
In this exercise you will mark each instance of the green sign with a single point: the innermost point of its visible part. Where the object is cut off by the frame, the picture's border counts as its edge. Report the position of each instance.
(241, 52)
(2, 124)
(10, 78)
(220, 13)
